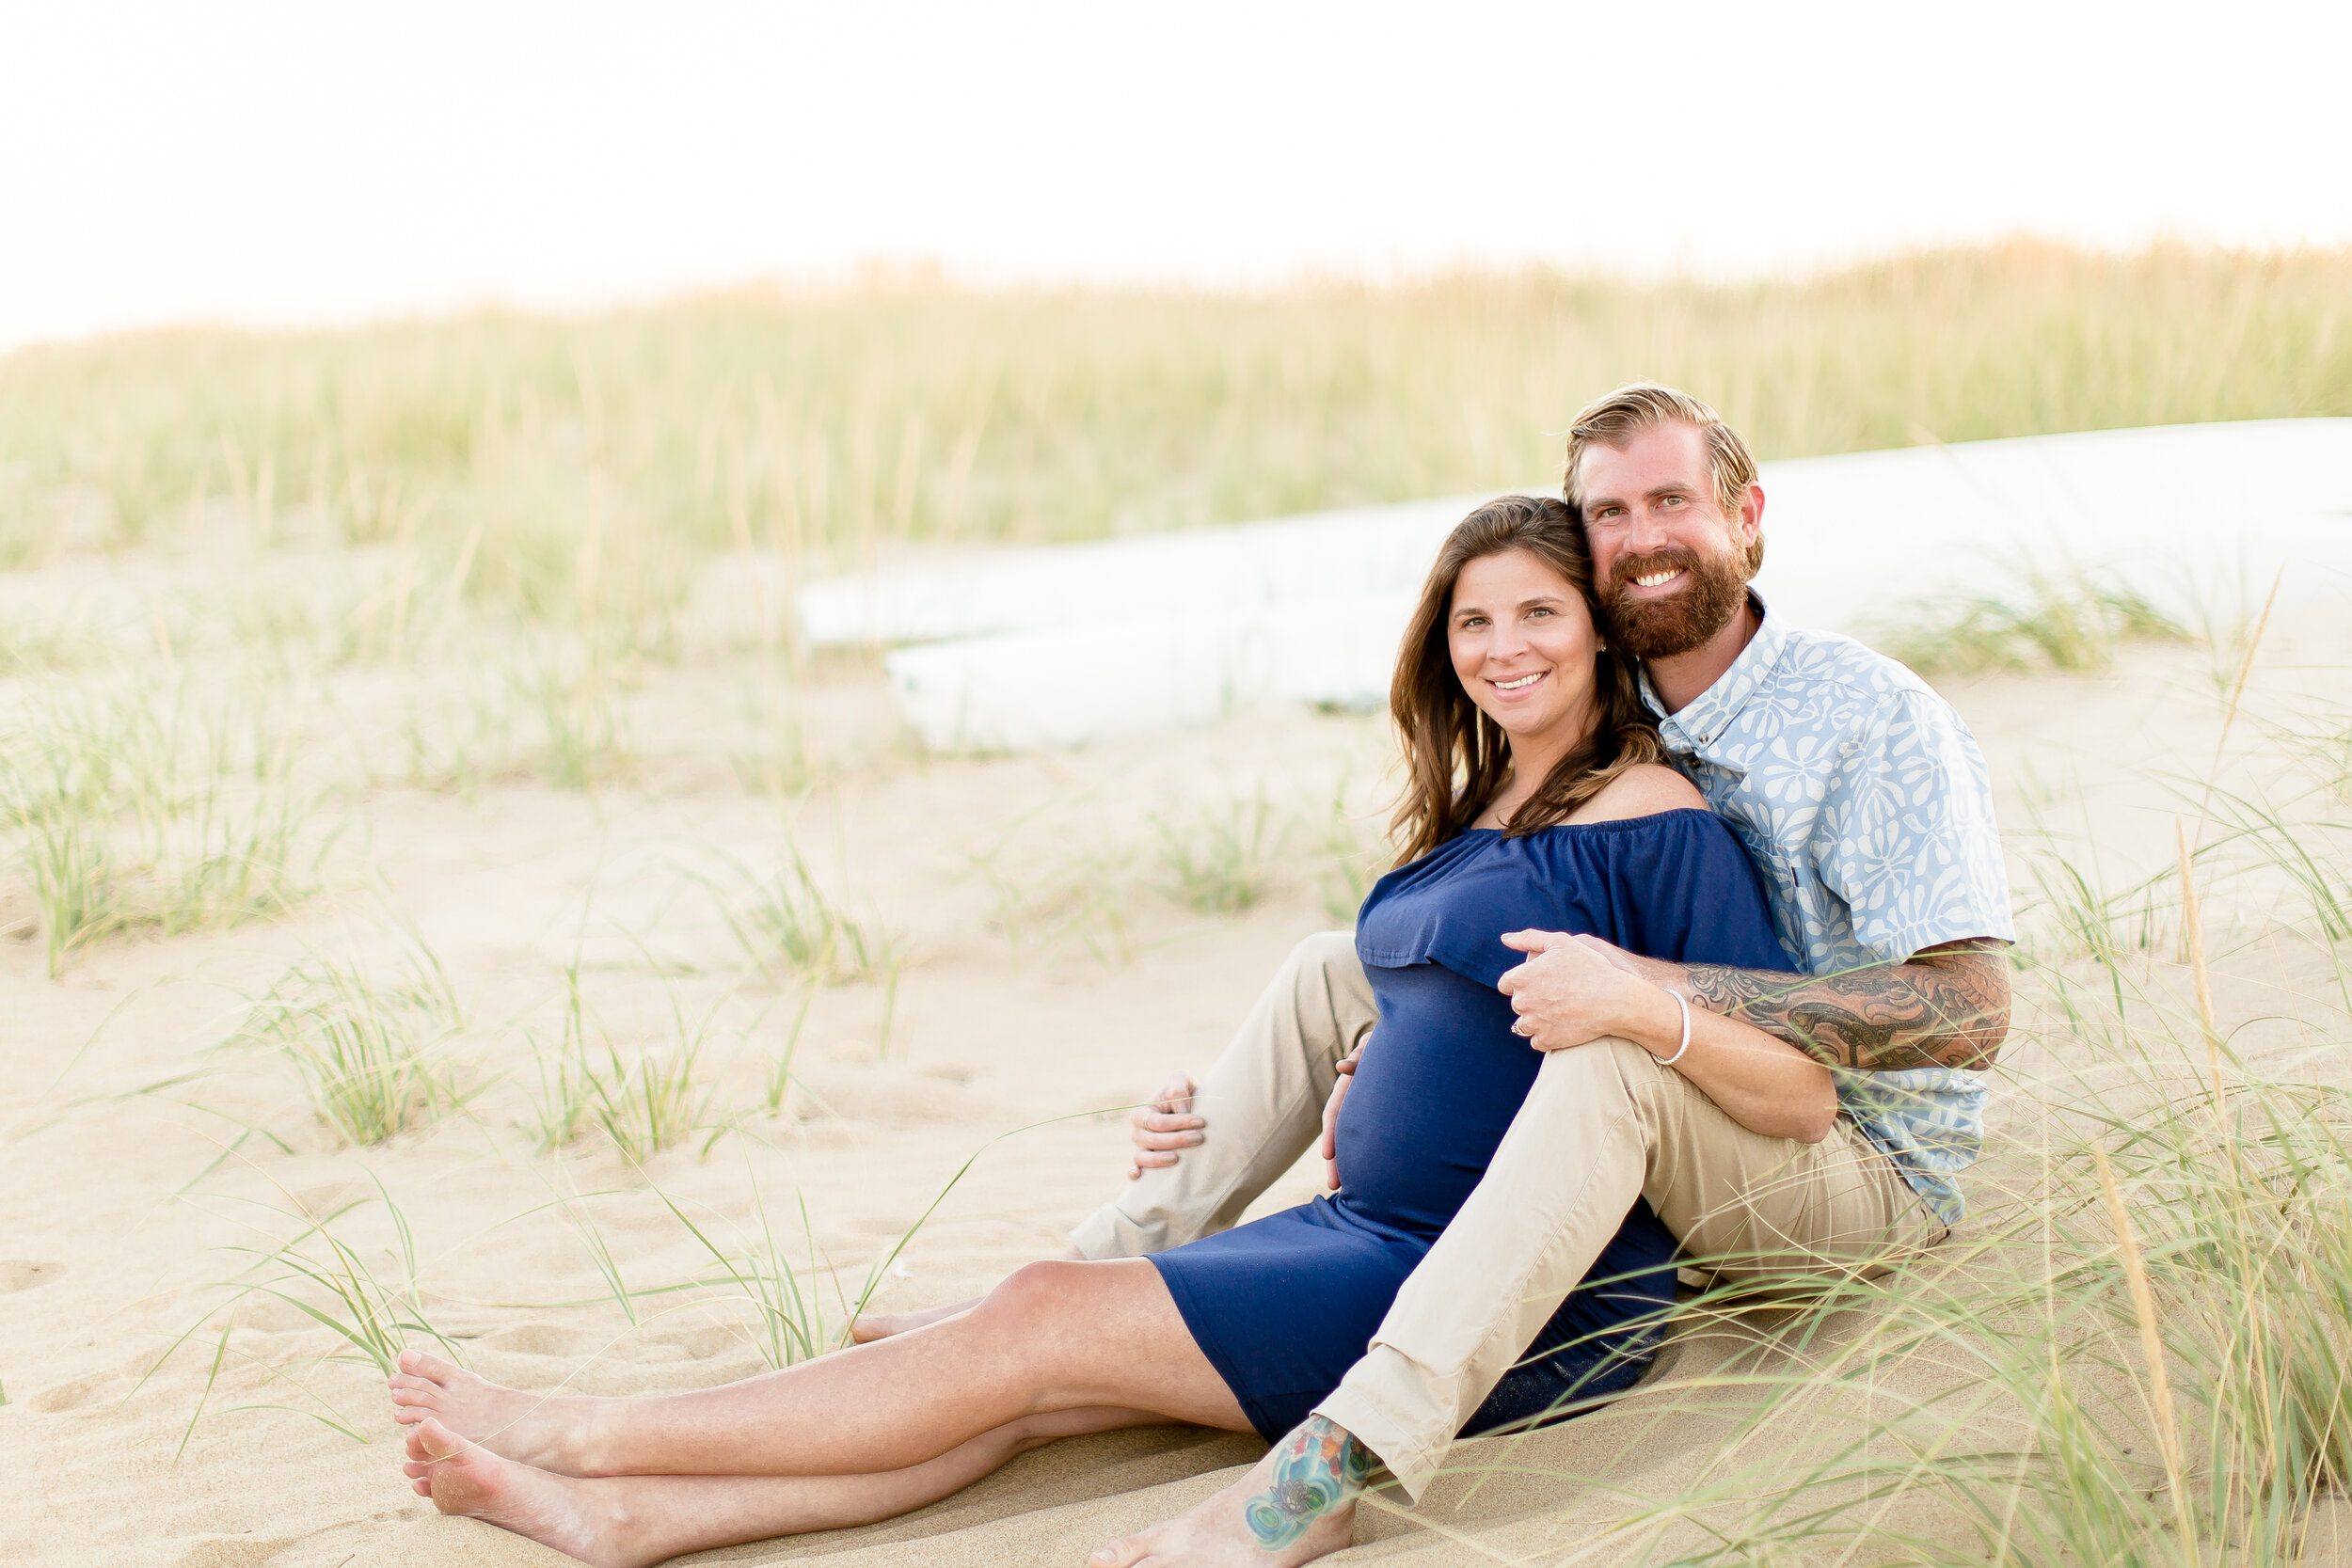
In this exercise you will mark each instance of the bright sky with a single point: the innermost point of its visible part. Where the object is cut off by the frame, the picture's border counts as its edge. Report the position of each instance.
(307, 159)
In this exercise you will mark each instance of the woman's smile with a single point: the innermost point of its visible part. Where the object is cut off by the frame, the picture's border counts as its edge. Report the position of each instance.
(1522, 643)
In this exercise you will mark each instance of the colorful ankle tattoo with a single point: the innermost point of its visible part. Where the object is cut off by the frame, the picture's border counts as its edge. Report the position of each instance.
(1316, 1468)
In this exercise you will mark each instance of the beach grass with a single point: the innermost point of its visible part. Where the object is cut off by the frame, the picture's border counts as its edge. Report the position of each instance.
(570, 689)
(2141, 1356)
(1059, 874)
(2139, 1352)
(579, 470)
(2066, 620)
(787, 923)
(1071, 874)
(132, 807)
(351, 1271)
(2138, 1349)
(1354, 852)
(782, 1279)
(371, 1052)
(1214, 859)
(492, 708)
(642, 1097)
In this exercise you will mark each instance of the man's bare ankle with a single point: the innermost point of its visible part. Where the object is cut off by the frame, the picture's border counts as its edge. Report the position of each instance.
(1317, 1471)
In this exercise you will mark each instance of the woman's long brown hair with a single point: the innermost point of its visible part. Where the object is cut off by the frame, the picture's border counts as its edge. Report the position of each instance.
(1456, 758)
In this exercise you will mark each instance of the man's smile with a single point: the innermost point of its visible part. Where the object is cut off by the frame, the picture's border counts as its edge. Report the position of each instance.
(1658, 578)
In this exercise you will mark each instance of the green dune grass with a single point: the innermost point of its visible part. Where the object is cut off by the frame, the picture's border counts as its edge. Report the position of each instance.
(557, 466)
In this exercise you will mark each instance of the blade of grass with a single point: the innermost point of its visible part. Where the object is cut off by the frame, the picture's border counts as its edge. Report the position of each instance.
(220, 1353)
(2151, 1349)
(2193, 935)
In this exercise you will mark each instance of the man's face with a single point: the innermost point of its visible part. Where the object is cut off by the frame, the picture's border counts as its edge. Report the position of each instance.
(1671, 568)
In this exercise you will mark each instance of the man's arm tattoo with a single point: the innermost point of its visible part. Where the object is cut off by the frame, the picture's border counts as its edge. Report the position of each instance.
(1316, 1468)
(1948, 1007)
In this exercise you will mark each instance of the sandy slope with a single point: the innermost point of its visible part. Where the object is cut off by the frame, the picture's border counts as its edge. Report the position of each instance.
(114, 1199)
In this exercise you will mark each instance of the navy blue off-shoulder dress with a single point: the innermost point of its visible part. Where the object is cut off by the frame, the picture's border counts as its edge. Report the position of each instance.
(1283, 1307)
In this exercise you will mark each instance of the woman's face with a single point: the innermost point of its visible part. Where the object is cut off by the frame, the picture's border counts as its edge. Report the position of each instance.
(1523, 647)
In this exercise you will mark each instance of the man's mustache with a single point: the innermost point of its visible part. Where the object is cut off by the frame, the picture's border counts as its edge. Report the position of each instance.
(1678, 558)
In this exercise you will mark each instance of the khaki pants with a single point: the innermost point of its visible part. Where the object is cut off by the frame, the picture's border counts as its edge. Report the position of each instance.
(1604, 1124)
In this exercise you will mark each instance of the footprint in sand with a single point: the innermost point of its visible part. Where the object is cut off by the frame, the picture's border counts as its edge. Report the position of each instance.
(231, 1551)
(18, 1274)
(69, 1396)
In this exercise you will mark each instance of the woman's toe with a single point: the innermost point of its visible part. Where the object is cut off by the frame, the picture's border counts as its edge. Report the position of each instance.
(417, 1364)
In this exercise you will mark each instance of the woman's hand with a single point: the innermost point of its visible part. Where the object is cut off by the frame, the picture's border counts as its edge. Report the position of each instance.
(1163, 1127)
(1332, 1118)
(1573, 989)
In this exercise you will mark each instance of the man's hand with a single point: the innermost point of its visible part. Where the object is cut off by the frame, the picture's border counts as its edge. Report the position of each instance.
(1332, 1118)
(1574, 990)
(1160, 1129)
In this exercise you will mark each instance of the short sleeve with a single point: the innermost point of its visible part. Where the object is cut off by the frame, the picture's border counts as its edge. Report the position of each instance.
(1911, 843)
(1683, 890)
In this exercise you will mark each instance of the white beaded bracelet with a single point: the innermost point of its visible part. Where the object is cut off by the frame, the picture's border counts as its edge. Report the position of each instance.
(1685, 1005)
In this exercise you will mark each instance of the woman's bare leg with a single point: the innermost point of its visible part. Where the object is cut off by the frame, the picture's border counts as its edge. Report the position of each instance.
(1057, 1336)
(870, 1327)
(627, 1521)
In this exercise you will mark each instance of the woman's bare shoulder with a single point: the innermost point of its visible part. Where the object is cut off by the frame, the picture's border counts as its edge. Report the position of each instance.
(1644, 789)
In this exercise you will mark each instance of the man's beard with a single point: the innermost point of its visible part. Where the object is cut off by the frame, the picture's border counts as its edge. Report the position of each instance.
(1714, 588)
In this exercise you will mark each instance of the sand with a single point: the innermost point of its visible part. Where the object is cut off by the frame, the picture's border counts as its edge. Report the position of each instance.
(128, 1174)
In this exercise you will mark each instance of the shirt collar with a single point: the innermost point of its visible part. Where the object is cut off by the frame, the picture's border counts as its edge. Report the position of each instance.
(1710, 713)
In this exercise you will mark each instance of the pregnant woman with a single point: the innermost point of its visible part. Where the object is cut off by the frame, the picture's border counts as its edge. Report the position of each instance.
(1536, 801)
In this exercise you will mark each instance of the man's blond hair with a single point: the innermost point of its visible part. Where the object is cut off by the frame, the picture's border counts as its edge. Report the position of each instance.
(1640, 405)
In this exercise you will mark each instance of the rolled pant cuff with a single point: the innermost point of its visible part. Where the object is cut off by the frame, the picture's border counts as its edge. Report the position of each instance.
(1414, 1463)
(1109, 1233)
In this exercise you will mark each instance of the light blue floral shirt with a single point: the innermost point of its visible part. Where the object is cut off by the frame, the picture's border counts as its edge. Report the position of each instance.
(1867, 806)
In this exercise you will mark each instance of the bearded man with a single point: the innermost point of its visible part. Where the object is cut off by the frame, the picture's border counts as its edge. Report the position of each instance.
(1866, 808)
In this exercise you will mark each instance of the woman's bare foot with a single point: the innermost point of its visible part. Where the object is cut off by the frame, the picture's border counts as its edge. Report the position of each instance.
(545, 1430)
(555, 1511)
(1297, 1504)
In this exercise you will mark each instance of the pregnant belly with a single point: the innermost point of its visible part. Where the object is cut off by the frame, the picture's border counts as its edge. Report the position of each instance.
(1437, 1086)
